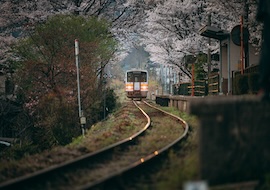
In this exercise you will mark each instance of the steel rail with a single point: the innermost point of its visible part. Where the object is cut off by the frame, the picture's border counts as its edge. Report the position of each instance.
(18, 182)
(142, 160)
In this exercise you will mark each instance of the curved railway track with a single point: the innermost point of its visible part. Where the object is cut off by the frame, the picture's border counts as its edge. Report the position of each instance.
(107, 167)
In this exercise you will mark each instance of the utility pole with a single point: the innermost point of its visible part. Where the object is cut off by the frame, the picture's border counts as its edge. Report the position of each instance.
(209, 50)
(81, 116)
(104, 101)
(246, 45)
(165, 80)
(193, 80)
(242, 45)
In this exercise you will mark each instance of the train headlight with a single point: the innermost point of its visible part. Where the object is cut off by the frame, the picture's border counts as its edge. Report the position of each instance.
(129, 88)
(144, 87)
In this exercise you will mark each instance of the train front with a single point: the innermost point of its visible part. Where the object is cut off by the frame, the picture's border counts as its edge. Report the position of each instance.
(136, 83)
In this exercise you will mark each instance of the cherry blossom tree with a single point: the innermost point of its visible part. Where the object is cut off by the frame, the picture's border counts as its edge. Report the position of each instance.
(170, 30)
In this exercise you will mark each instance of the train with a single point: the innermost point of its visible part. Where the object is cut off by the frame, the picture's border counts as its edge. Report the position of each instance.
(136, 83)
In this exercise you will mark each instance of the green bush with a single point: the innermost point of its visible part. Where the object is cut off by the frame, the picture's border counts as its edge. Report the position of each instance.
(96, 110)
(18, 151)
(57, 123)
(66, 127)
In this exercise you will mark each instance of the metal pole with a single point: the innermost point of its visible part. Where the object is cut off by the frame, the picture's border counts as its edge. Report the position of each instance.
(78, 83)
(220, 68)
(229, 66)
(192, 80)
(170, 80)
(104, 105)
(246, 46)
(104, 101)
(209, 50)
(165, 81)
(242, 46)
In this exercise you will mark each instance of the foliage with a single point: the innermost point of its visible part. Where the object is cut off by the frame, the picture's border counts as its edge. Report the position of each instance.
(46, 74)
(110, 100)
(16, 152)
(14, 122)
(172, 28)
(200, 73)
(58, 123)
(97, 109)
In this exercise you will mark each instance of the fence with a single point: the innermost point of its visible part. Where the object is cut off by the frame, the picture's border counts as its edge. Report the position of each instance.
(241, 84)
(248, 82)
(213, 84)
(186, 88)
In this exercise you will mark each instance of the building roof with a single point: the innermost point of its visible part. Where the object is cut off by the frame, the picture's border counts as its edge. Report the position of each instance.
(213, 32)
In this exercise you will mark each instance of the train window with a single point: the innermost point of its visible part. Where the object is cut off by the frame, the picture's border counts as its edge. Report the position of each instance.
(136, 77)
(144, 77)
(129, 77)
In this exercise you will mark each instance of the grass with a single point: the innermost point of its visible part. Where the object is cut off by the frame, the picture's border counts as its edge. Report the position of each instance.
(182, 165)
(116, 127)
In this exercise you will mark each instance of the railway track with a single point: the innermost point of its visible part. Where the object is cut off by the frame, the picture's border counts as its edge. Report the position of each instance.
(107, 168)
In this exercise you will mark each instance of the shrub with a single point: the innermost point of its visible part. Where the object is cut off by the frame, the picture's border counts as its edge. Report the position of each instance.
(56, 124)
(96, 110)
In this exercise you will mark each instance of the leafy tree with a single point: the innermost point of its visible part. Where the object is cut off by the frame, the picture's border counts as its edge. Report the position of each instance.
(46, 72)
(171, 28)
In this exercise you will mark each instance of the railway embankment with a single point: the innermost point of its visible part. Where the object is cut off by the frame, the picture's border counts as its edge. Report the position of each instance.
(234, 137)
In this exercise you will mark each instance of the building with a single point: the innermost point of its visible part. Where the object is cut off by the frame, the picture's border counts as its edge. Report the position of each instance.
(234, 57)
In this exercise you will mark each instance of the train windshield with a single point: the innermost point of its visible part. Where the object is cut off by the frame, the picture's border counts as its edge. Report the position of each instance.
(136, 77)
(143, 77)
